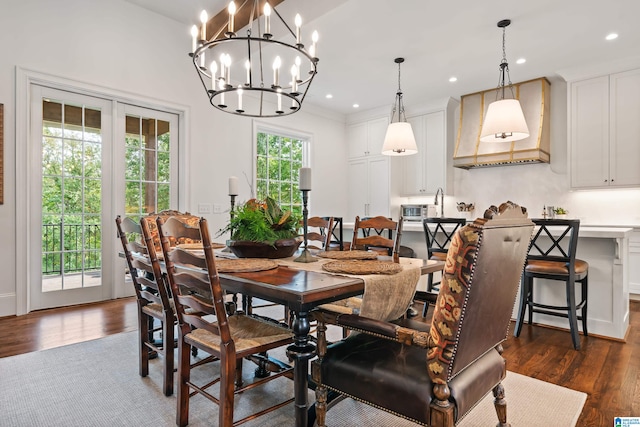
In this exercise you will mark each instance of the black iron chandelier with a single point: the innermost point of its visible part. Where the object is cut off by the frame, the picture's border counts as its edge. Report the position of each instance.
(242, 74)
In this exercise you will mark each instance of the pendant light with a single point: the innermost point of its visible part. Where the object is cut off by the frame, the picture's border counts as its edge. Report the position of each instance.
(399, 139)
(504, 121)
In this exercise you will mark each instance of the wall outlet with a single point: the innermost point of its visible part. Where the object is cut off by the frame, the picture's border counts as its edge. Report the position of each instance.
(217, 208)
(204, 208)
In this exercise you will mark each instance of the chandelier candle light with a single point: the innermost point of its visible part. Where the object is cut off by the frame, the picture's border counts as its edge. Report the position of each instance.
(504, 121)
(252, 56)
(305, 187)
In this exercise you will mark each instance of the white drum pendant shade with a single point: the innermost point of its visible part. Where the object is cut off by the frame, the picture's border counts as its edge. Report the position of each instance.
(504, 122)
(399, 140)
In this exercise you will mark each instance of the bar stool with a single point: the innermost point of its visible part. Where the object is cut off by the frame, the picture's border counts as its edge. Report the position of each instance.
(552, 255)
(438, 233)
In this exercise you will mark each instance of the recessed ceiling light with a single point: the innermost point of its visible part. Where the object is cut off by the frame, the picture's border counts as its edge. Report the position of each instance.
(521, 61)
(356, 105)
(453, 79)
(329, 96)
(611, 36)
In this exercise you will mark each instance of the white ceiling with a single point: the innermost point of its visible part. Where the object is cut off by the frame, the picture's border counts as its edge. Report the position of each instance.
(359, 40)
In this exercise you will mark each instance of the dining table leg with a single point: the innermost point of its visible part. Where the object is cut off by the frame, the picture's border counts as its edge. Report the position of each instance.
(300, 352)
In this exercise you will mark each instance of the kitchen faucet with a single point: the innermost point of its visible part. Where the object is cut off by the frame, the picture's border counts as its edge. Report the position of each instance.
(441, 192)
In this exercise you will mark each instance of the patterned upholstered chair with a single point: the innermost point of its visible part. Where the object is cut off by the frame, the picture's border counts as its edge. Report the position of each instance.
(435, 374)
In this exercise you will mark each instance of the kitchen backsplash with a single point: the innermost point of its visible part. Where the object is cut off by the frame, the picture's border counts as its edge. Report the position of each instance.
(535, 186)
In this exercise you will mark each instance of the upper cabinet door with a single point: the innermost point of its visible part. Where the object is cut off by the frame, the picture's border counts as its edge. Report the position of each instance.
(589, 117)
(357, 140)
(625, 129)
(377, 132)
(435, 149)
(366, 138)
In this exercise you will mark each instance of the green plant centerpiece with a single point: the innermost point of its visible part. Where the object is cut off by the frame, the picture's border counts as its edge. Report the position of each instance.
(261, 229)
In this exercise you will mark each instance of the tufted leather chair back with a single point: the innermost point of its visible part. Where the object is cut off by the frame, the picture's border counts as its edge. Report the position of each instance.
(480, 282)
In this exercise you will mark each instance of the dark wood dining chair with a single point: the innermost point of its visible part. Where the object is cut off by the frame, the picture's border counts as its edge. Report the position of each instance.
(378, 233)
(434, 374)
(319, 232)
(552, 256)
(438, 233)
(196, 288)
(153, 298)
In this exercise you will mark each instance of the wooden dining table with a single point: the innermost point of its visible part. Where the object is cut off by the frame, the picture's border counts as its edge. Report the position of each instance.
(301, 291)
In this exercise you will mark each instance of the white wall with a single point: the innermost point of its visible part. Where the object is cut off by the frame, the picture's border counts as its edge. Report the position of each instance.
(117, 46)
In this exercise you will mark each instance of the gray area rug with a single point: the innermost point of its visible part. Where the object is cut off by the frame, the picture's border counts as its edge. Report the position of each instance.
(96, 383)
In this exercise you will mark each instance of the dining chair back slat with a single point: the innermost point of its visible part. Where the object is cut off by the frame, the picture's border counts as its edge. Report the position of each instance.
(205, 324)
(153, 298)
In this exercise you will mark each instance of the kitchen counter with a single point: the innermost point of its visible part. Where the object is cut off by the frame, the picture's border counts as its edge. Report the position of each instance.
(604, 247)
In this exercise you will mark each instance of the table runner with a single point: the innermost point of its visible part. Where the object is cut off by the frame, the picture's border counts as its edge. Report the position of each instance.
(386, 297)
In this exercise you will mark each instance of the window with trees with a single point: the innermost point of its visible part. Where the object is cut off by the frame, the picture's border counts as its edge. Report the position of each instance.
(279, 158)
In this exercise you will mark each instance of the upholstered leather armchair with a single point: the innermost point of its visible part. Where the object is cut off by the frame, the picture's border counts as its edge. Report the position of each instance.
(435, 374)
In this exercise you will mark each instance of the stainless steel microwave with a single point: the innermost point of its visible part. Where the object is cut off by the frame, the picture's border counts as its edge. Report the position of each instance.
(414, 212)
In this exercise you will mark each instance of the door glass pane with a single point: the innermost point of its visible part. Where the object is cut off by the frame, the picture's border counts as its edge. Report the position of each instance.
(71, 196)
(148, 165)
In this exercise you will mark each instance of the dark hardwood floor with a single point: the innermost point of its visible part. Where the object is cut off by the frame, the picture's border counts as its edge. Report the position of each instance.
(608, 371)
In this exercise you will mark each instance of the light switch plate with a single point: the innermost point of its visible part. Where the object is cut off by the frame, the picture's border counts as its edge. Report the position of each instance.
(204, 208)
(217, 208)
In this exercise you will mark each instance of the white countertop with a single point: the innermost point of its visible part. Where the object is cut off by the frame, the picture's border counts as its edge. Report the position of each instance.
(589, 231)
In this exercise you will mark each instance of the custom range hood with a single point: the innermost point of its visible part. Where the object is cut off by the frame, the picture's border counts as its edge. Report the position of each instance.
(470, 152)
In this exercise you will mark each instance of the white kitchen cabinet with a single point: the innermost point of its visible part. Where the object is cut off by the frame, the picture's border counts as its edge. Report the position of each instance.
(605, 131)
(634, 262)
(368, 187)
(366, 138)
(425, 172)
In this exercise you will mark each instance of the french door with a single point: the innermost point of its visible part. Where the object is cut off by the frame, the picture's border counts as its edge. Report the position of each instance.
(91, 160)
(70, 206)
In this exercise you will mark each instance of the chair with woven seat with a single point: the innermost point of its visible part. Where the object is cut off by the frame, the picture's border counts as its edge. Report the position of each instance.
(438, 233)
(152, 296)
(319, 232)
(373, 237)
(434, 374)
(196, 287)
(552, 256)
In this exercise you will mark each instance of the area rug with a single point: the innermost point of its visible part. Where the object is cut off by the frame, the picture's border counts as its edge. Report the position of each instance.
(96, 383)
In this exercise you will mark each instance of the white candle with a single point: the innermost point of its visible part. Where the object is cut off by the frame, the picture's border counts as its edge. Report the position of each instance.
(222, 71)
(267, 18)
(232, 12)
(314, 39)
(294, 79)
(276, 70)
(305, 179)
(227, 63)
(239, 97)
(279, 101)
(203, 19)
(298, 62)
(247, 65)
(214, 70)
(194, 38)
(298, 22)
(233, 185)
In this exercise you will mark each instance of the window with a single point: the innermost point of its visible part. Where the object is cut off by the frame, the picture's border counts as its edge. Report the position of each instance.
(278, 162)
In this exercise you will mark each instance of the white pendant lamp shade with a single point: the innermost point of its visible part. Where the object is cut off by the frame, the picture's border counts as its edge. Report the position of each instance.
(504, 122)
(399, 140)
